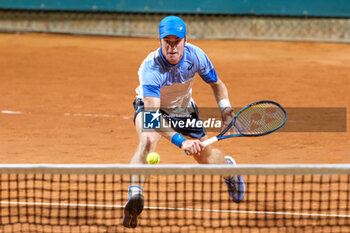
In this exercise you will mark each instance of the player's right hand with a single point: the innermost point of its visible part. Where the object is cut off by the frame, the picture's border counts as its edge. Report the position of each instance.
(192, 146)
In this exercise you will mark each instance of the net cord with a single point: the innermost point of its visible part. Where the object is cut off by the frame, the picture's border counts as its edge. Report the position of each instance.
(177, 169)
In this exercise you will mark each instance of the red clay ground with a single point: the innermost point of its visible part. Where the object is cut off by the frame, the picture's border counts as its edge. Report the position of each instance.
(57, 81)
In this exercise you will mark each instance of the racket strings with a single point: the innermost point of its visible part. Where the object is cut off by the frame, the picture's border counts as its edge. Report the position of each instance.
(260, 119)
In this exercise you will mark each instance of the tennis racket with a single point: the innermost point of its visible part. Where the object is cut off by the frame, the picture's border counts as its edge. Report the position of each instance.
(256, 119)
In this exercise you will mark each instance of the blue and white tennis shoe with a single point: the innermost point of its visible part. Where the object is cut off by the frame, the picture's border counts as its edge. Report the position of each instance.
(235, 185)
(132, 210)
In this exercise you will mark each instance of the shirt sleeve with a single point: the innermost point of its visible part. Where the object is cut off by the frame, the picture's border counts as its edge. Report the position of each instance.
(149, 81)
(206, 69)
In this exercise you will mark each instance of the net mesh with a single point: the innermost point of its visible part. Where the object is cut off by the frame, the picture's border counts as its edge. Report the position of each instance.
(177, 199)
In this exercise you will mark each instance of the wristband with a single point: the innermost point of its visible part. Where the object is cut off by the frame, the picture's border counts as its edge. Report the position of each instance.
(224, 103)
(178, 139)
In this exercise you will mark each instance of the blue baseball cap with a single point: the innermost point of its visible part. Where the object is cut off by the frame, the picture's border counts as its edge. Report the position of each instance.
(172, 25)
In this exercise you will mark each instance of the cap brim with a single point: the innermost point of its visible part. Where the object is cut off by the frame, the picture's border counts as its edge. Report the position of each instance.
(180, 35)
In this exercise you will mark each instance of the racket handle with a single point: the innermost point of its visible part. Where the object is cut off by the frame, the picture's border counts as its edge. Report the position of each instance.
(210, 141)
(206, 143)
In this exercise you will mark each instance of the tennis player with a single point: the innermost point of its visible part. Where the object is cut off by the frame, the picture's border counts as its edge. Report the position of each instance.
(166, 78)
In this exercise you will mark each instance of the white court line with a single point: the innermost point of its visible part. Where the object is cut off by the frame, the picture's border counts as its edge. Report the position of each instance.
(10, 112)
(59, 204)
(177, 209)
(252, 212)
(72, 114)
(89, 115)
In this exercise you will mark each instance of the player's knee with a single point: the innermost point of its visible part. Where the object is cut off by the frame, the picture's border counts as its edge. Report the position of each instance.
(208, 155)
(148, 142)
(202, 157)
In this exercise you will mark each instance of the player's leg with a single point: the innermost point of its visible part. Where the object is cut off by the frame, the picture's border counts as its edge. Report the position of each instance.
(235, 184)
(147, 143)
(212, 155)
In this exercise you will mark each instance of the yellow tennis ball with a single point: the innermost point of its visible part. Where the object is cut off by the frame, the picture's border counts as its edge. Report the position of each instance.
(153, 158)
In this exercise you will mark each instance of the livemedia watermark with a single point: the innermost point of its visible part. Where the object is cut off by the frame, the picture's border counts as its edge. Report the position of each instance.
(306, 119)
(154, 120)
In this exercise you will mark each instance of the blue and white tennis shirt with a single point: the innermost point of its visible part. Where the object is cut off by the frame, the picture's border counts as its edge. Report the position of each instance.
(173, 83)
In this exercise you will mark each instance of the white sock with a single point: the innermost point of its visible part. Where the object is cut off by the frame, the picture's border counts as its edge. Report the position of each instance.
(133, 190)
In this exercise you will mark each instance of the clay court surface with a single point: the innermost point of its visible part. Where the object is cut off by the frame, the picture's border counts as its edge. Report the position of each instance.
(70, 97)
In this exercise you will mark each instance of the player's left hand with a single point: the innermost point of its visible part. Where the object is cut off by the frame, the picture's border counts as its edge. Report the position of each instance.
(227, 115)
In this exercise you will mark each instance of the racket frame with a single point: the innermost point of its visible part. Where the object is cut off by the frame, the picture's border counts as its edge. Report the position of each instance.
(232, 124)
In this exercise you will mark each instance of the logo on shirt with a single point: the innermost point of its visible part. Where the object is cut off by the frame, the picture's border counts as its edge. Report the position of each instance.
(151, 120)
(190, 67)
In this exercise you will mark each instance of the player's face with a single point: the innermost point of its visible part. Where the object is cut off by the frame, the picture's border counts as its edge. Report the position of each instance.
(173, 48)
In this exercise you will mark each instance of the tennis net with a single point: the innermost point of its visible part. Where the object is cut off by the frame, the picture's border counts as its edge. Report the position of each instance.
(178, 198)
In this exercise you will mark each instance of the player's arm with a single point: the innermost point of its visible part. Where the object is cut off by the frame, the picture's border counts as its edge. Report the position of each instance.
(221, 96)
(193, 146)
(207, 72)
